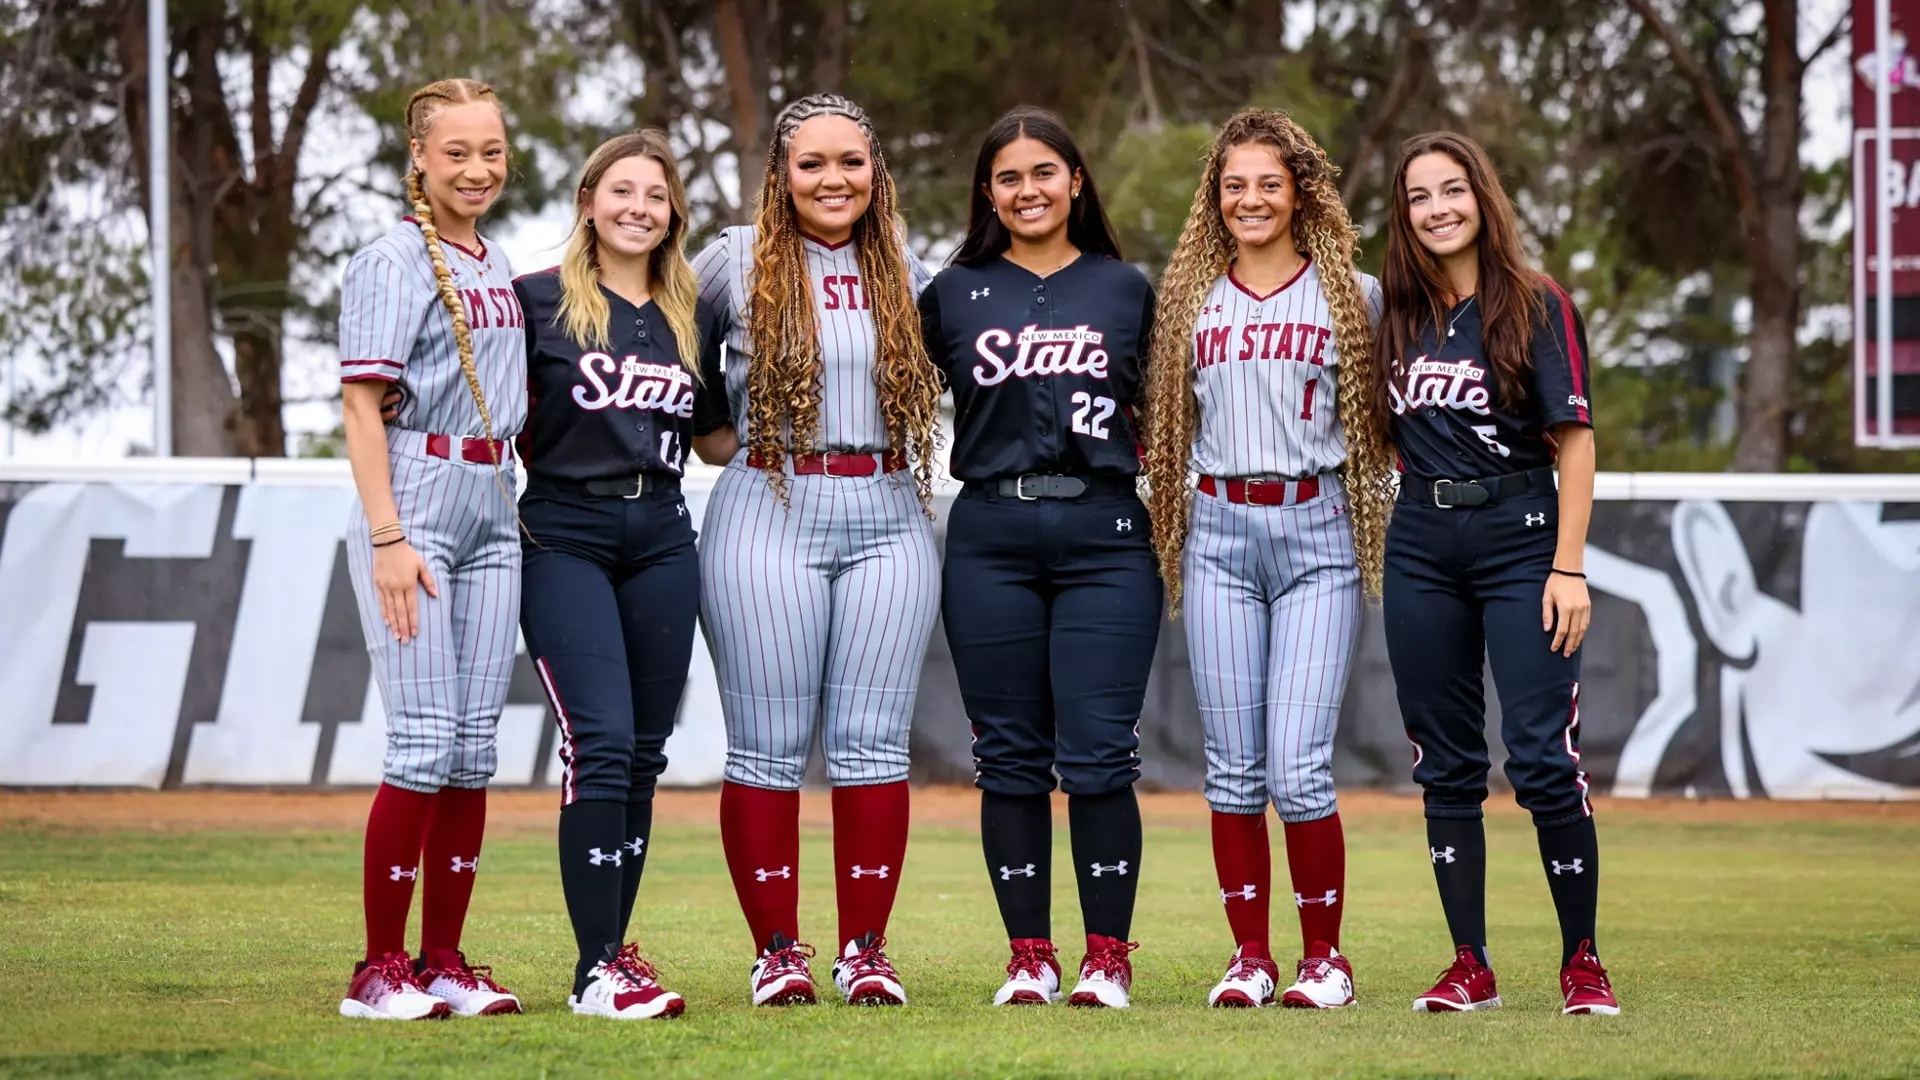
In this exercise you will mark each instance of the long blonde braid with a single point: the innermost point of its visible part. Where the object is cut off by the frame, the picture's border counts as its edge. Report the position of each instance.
(1203, 253)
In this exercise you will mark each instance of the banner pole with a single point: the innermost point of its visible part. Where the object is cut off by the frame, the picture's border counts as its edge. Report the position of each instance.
(1883, 220)
(160, 221)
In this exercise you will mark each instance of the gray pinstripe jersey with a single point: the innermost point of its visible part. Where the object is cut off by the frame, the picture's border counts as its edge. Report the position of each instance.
(1264, 376)
(393, 327)
(850, 416)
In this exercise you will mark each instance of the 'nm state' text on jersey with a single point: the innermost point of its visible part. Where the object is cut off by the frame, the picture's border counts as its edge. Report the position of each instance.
(850, 416)
(1265, 377)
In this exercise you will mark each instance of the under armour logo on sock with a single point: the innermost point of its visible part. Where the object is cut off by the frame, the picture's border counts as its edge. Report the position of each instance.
(410, 873)
(1332, 898)
(1008, 873)
(978, 293)
(634, 845)
(596, 857)
(1441, 856)
(1536, 519)
(1573, 866)
(858, 872)
(1122, 524)
(1121, 869)
(763, 875)
(469, 865)
(1244, 892)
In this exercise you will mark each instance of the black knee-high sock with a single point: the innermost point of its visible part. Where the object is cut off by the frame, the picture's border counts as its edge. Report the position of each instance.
(635, 843)
(591, 865)
(1458, 849)
(1016, 832)
(1571, 856)
(1106, 858)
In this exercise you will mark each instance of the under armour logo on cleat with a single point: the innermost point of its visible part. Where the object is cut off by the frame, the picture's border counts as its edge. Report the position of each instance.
(1244, 892)
(1122, 524)
(1573, 866)
(1120, 869)
(634, 845)
(1441, 856)
(596, 857)
(1332, 898)
(470, 865)
(409, 873)
(763, 875)
(978, 293)
(1008, 873)
(1536, 519)
(859, 872)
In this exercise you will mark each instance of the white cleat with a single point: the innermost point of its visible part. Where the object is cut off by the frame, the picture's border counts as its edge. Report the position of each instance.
(1033, 975)
(1324, 983)
(781, 975)
(626, 987)
(387, 989)
(864, 975)
(1106, 975)
(1248, 984)
(468, 990)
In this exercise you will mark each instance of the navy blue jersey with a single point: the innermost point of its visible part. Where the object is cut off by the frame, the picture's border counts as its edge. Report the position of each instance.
(1447, 420)
(632, 407)
(1044, 371)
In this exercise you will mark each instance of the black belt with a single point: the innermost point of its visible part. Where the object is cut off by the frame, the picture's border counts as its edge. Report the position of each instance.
(1448, 494)
(631, 486)
(1033, 486)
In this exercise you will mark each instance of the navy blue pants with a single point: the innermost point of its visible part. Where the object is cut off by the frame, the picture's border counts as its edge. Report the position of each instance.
(1052, 610)
(1463, 587)
(610, 589)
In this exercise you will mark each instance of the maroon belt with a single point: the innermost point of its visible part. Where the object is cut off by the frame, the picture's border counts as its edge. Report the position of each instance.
(472, 451)
(839, 464)
(1263, 492)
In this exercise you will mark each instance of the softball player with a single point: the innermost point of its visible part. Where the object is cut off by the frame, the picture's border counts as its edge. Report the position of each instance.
(819, 576)
(1484, 368)
(429, 310)
(1052, 605)
(1261, 383)
(616, 338)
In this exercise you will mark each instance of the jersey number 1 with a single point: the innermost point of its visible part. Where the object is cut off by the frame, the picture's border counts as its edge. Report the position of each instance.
(670, 449)
(1100, 407)
(1306, 410)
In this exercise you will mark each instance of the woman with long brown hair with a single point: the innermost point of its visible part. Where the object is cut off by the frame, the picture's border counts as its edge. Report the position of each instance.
(1261, 306)
(819, 576)
(1482, 364)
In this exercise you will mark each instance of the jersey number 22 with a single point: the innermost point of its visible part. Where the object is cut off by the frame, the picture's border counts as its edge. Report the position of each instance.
(1092, 415)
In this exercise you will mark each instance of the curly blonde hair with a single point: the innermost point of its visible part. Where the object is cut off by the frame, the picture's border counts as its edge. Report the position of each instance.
(1323, 231)
(784, 380)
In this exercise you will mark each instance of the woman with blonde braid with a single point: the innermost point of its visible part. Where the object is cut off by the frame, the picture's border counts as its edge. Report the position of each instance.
(819, 577)
(1261, 382)
(428, 310)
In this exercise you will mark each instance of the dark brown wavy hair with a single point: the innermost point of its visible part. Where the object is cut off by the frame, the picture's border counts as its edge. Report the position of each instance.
(1511, 295)
(1321, 230)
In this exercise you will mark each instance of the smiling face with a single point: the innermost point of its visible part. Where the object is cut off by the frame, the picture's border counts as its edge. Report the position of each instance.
(464, 161)
(631, 208)
(1440, 205)
(830, 173)
(1032, 190)
(1257, 196)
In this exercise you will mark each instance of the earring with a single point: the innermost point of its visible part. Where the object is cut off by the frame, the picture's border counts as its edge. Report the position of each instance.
(589, 224)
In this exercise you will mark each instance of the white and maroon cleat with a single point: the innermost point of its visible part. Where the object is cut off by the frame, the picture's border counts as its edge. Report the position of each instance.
(626, 987)
(1033, 975)
(1106, 975)
(864, 975)
(1323, 982)
(468, 989)
(781, 975)
(1248, 984)
(386, 989)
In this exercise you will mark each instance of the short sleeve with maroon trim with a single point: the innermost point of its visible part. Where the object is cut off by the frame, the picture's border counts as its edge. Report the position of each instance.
(1559, 353)
(383, 305)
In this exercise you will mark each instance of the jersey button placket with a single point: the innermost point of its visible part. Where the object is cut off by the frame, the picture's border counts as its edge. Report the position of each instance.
(1044, 407)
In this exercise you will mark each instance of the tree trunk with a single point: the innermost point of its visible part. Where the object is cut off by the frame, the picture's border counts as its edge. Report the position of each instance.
(1774, 253)
(830, 59)
(747, 78)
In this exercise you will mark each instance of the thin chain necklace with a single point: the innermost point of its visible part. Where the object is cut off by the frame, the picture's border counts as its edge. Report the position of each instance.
(1456, 318)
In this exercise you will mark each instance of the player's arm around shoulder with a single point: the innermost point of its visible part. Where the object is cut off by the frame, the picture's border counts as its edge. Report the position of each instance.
(714, 439)
(932, 331)
(716, 266)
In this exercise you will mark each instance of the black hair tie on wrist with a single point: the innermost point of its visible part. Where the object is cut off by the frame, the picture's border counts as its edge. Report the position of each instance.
(390, 543)
(1569, 573)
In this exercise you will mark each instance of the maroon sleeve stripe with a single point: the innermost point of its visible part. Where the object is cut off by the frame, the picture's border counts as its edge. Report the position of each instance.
(385, 363)
(373, 376)
(1575, 362)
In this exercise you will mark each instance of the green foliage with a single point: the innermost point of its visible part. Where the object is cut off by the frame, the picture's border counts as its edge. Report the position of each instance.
(76, 304)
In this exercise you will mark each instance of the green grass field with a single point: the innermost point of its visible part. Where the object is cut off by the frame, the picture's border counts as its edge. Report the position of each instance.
(1783, 944)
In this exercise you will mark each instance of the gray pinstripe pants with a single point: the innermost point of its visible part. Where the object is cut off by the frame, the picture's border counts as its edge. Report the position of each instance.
(444, 690)
(817, 617)
(1272, 607)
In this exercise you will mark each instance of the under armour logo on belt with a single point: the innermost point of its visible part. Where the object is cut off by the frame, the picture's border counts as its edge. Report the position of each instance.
(763, 875)
(1008, 873)
(1244, 892)
(634, 845)
(978, 293)
(1573, 866)
(1536, 519)
(1122, 524)
(1332, 898)
(409, 873)
(1441, 856)
(469, 865)
(596, 857)
(1120, 869)
(858, 872)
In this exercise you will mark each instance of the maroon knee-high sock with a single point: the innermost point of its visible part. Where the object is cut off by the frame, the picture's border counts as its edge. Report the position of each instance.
(760, 830)
(391, 864)
(450, 862)
(1317, 859)
(1244, 864)
(869, 844)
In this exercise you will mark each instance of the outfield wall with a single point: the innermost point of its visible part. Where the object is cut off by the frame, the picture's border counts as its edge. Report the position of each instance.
(167, 623)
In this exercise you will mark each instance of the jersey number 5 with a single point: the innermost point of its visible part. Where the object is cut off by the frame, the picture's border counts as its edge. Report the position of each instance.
(1100, 408)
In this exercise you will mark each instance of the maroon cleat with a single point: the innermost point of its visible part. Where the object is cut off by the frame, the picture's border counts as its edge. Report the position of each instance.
(1583, 982)
(1465, 987)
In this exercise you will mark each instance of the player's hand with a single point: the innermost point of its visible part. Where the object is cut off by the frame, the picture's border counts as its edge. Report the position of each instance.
(397, 570)
(1566, 610)
(390, 404)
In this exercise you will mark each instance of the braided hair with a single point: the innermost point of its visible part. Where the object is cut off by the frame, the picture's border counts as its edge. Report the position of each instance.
(784, 380)
(1324, 232)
